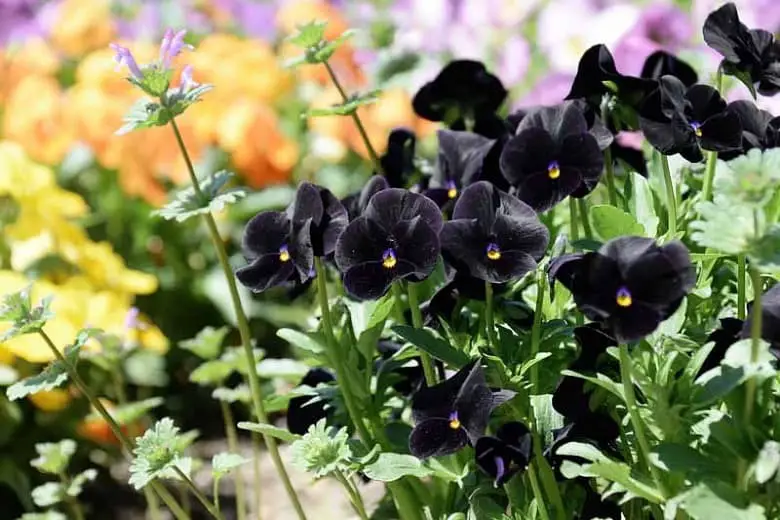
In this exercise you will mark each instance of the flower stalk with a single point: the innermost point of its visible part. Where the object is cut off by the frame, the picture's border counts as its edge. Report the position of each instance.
(536, 330)
(712, 157)
(756, 326)
(582, 206)
(490, 326)
(232, 440)
(574, 228)
(742, 275)
(417, 322)
(609, 169)
(671, 196)
(243, 328)
(210, 507)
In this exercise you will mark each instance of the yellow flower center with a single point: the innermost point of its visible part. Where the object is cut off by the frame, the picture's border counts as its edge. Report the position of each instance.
(389, 260)
(454, 424)
(493, 252)
(623, 297)
(284, 254)
(553, 170)
(452, 193)
(696, 129)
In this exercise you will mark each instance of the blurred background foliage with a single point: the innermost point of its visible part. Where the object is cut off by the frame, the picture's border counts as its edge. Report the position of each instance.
(75, 199)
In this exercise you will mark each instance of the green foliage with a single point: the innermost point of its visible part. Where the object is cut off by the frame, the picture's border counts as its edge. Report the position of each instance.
(25, 317)
(436, 347)
(208, 342)
(213, 197)
(322, 450)
(270, 430)
(149, 113)
(389, 467)
(158, 454)
(215, 372)
(311, 38)
(53, 457)
(749, 179)
(610, 222)
(348, 107)
(223, 464)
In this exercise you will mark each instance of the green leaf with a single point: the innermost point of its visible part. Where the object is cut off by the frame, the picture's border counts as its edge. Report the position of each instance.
(389, 467)
(610, 222)
(323, 450)
(270, 368)
(301, 340)
(144, 113)
(76, 485)
(270, 430)
(764, 251)
(17, 480)
(547, 419)
(709, 500)
(768, 462)
(641, 204)
(130, 413)
(348, 107)
(207, 344)
(715, 384)
(187, 203)
(53, 457)
(308, 34)
(48, 494)
(224, 463)
(54, 375)
(25, 317)
(157, 453)
(241, 393)
(600, 380)
(436, 347)
(682, 459)
(146, 368)
(723, 226)
(212, 372)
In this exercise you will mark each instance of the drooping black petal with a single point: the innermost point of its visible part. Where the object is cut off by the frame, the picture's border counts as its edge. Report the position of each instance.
(506, 454)
(730, 332)
(388, 207)
(304, 411)
(661, 63)
(757, 131)
(357, 203)
(461, 155)
(398, 161)
(463, 86)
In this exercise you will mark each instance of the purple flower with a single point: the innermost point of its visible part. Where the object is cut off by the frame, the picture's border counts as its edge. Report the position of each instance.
(171, 46)
(514, 60)
(186, 83)
(124, 57)
(548, 91)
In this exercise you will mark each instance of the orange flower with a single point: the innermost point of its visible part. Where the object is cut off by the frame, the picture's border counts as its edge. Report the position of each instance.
(34, 58)
(83, 26)
(35, 116)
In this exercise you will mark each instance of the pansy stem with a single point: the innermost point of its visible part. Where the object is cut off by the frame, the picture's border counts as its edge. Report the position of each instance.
(755, 342)
(741, 283)
(244, 331)
(354, 495)
(540, 502)
(358, 123)
(609, 169)
(574, 227)
(417, 322)
(709, 175)
(536, 330)
(398, 302)
(124, 440)
(205, 502)
(671, 196)
(490, 326)
(636, 419)
(232, 440)
(582, 205)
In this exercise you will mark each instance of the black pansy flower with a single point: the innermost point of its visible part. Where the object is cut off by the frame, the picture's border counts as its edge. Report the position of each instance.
(495, 235)
(676, 119)
(461, 155)
(396, 237)
(570, 398)
(464, 89)
(305, 410)
(662, 63)
(631, 284)
(597, 75)
(281, 245)
(753, 55)
(486, 124)
(730, 332)
(506, 454)
(454, 413)
(398, 160)
(597, 507)
(552, 156)
(770, 320)
(595, 428)
(760, 129)
(409, 372)
(357, 203)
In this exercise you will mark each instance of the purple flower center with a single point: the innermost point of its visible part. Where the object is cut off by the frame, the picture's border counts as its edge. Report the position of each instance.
(452, 189)
(696, 126)
(389, 260)
(623, 297)
(454, 421)
(500, 469)
(553, 170)
(493, 252)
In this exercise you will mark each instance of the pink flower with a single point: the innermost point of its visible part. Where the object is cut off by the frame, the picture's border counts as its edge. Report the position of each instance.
(171, 46)
(124, 57)
(186, 83)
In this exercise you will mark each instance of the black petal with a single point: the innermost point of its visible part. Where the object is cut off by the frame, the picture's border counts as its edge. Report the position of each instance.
(435, 438)
(559, 121)
(304, 411)
(398, 161)
(461, 155)
(417, 244)
(661, 63)
(721, 133)
(660, 275)
(361, 241)
(439, 400)
(265, 272)
(770, 317)
(581, 156)
(357, 203)
(527, 153)
(265, 233)
(390, 206)
(730, 332)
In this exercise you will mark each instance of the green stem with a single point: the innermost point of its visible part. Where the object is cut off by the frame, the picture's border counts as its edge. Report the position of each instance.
(354, 495)
(536, 331)
(671, 196)
(709, 175)
(636, 420)
(152, 504)
(417, 321)
(490, 325)
(755, 342)
(398, 305)
(244, 331)
(546, 473)
(609, 168)
(582, 205)
(211, 508)
(363, 134)
(256, 470)
(215, 492)
(574, 228)
(124, 440)
(540, 504)
(741, 282)
(73, 504)
(232, 440)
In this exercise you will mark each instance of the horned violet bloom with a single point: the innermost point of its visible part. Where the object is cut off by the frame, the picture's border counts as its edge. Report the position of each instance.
(282, 245)
(495, 235)
(676, 119)
(454, 413)
(631, 284)
(752, 55)
(552, 155)
(397, 237)
(506, 454)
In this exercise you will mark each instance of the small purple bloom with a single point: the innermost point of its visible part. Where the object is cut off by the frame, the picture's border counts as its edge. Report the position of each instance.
(186, 83)
(131, 319)
(171, 46)
(124, 57)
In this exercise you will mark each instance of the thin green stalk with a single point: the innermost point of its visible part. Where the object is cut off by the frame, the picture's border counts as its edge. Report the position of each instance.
(232, 440)
(741, 282)
(671, 196)
(582, 205)
(124, 440)
(152, 505)
(536, 331)
(574, 228)
(755, 342)
(73, 504)
(354, 495)
(709, 175)
(244, 331)
(363, 134)
(256, 471)
(490, 326)
(417, 321)
(540, 503)
(398, 305)
(215, 492)
(210, 507)
(636, 420)
(546, 473)
(609, 169)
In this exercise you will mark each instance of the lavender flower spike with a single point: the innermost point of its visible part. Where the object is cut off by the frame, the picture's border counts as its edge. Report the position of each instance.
(124, 57)
(186, 83)
(171, 46)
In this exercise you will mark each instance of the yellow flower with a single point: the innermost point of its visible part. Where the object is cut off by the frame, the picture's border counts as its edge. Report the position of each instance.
(82, 26)
(51, 400)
